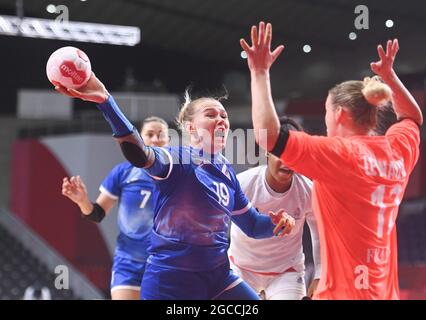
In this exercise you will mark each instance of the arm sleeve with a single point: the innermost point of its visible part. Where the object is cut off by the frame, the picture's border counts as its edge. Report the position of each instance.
(316, 157)
(117, 120)
(313, 228)
(405, 137)
(131, 143)
(243, 179)
(248, 219)
(254, 224)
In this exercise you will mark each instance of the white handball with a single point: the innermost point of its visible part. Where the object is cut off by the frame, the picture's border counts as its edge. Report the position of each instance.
(69, 66)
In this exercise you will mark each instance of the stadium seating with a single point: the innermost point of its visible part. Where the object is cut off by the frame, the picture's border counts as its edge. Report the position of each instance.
(19, 269)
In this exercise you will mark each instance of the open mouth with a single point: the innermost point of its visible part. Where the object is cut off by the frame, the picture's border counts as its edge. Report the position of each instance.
(219, 133)
(285, 170)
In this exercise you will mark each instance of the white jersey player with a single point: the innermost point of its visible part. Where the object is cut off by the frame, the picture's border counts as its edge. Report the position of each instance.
(275, 267)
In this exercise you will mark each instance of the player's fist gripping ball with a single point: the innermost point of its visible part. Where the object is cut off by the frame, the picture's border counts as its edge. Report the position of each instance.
(69, 67)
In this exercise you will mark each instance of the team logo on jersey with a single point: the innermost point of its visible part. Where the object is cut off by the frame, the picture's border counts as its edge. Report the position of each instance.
(134, 175)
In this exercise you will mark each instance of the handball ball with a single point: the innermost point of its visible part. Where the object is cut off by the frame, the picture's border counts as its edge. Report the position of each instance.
(69, 66)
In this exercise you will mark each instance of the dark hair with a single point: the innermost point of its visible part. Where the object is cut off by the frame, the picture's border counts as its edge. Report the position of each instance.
(361, 98)
(289, 124)
(386, 117)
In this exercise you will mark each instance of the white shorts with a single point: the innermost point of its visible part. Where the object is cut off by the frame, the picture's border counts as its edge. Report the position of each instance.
(286, 286)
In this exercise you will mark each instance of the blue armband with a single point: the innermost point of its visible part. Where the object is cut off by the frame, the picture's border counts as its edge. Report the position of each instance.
(117, 120)
(254, 224)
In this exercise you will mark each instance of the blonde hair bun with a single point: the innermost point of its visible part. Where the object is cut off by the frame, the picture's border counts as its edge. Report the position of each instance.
(376, 92)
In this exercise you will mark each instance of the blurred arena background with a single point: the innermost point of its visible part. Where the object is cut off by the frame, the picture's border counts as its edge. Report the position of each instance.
(44, 136)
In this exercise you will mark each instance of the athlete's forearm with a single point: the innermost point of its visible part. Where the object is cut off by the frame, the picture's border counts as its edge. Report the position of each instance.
(404, 104)
(254, 224)
(131, 143)
(263, 110)
(93, 211)
(118, 122)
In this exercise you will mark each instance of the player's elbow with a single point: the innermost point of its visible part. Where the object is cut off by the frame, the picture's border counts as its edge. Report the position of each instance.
(266, 139)
(134, 154)
(417, 118)
(420, 119)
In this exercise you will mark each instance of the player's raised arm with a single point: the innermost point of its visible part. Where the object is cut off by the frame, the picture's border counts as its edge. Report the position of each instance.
(131, 143)
(260, 59)
(403, 102)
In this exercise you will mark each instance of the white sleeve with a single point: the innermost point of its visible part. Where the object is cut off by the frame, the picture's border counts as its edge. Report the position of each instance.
(312, 223)
(106, 192)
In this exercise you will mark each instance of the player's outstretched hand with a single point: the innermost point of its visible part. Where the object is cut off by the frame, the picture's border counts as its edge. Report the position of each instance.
(283, 221)
(94, 91)
(384, 67)
(259, 55)
(75, 189)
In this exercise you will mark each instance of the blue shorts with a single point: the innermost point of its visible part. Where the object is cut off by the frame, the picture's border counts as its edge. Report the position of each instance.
(161, 283)
(126, 274)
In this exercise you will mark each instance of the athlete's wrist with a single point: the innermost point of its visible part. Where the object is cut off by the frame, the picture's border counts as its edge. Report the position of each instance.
(97, 214)
(105, 96)
(86, 207)
(259, 72)
(390, 77)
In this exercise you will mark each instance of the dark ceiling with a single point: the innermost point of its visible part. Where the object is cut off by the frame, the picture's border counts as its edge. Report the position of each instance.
(210, 30)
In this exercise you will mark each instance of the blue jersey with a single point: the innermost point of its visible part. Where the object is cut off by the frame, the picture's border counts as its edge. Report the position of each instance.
(135, 190)
(197, 197)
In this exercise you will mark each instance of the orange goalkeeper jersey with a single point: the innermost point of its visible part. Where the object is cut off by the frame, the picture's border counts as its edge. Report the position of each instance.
(359, 183)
